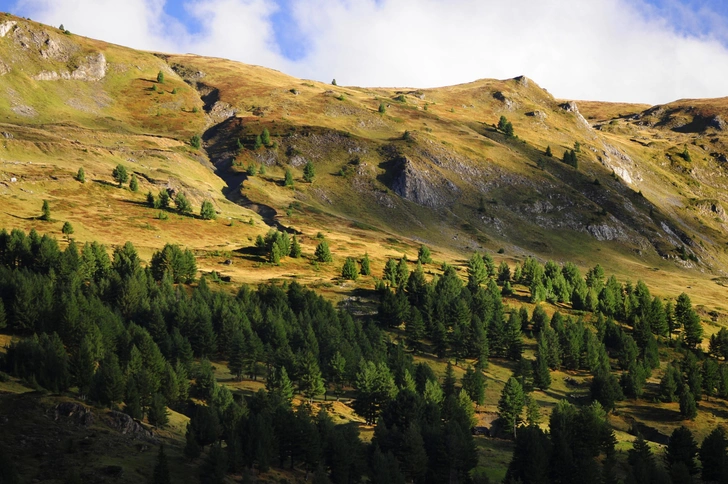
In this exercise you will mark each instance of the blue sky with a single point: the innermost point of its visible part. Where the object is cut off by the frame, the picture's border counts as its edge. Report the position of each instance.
(633, 50)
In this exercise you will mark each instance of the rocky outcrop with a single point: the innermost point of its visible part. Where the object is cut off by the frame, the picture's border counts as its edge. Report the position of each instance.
(76, 412)
(6, 27)
(129, 427)
(93, 68)
(418, 186)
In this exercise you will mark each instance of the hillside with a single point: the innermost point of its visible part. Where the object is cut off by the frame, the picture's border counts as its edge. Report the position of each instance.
(458, 169)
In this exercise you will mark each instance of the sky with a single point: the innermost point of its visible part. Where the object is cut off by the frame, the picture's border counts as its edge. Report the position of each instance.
(648, 51)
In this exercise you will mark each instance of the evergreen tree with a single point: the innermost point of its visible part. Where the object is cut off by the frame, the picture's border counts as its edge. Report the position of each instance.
(160, 77)
(192, 449)
(183, 205)
(278, 382)
(67, 229)
(161, 469)
(541, 373)
(108, 384)
(295, 248)
(265, 137)
(477, 272)
(158, 414)
(510, 405)
(713, 456)
(134, 183)
(207, 211)
(309, 172)
(423, 255)
(46, 211)
(81, 175)
(322, 253)
(641, 461)
(533, 412)
(688, 407)
(120, 175)
(288, 178)
(215, 466)
(548, 151)
(310, 382)
(365, 267)
(682, 449)
(448, 384)
(350, 270)
(414, 329)
(258, 143)
(474, 384)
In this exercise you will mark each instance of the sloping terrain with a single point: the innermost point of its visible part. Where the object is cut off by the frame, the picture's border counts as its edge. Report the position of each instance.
(422, 165)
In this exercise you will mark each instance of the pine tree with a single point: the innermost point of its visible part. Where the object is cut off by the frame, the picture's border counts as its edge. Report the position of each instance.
(382, 108)
(311, 383)
(207, 211)
(713, 456)
(161, 469)
(158, 414)
(477, 272)
(511, 405)
(3, 315)
(134, 183)
(533, 411)
(183, 205)
(309, 172)
(120, 175)
(688, 407)
(682, 449)
(279, 382)
(288, 179)
(365, 266)
(192, 449)
(213, 470)
(424, 255)
(350, 271)
(108, 384)
(448, 384)
(160, 77)
(81, 175)
(265, 137)
(322, 253)
(541, 373)
(548, 151)
(67, 229)
(414, 329)
(474, 384)
(46, 211)
(295, 248)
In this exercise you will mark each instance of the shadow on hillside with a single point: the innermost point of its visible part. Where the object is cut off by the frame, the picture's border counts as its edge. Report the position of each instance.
(106, 183)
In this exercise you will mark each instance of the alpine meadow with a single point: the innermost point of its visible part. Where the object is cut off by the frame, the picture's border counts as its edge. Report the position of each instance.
(215, 272)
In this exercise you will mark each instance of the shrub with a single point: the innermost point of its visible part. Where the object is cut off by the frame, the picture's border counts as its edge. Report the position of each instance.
(196, 141)
(81, 175)
(160, 77)
(382, 108)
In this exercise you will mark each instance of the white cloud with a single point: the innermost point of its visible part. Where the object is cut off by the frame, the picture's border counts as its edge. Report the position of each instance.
(599, 49)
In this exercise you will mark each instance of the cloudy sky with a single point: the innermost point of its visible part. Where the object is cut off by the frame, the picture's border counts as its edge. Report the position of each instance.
(650, 51)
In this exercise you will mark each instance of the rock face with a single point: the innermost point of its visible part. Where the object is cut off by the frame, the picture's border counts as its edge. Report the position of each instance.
(6, 27)
(128, 426)
(80, 414)
(93, 68)
(415, 185)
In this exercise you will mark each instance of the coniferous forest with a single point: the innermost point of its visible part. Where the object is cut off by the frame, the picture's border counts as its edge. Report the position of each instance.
(102, 327)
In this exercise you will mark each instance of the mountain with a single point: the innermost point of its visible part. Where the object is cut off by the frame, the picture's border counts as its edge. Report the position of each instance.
(430, 168)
